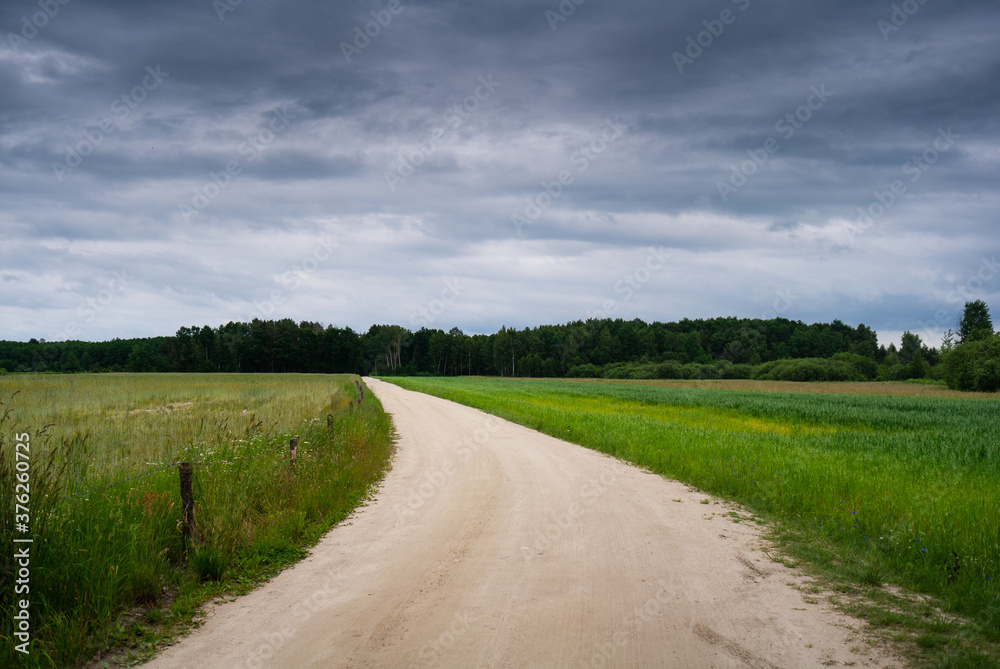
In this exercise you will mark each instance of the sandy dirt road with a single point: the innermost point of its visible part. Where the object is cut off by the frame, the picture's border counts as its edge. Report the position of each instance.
(491, 545)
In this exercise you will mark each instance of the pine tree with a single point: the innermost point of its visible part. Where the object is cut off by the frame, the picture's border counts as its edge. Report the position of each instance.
(975, 323)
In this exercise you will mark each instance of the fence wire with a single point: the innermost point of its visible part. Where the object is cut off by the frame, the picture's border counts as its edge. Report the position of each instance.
(204, 463)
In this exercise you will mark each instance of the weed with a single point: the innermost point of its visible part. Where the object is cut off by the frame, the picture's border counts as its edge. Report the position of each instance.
(209, 564)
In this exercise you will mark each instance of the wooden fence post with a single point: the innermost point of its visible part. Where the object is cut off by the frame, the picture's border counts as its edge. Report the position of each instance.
(187, 500)
(293, 445)
(361, 393)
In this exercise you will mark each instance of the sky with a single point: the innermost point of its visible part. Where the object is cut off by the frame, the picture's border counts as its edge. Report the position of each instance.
(477, 164)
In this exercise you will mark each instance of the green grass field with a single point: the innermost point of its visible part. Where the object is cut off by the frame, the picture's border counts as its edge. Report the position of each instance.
(109, 566)
(904, 490)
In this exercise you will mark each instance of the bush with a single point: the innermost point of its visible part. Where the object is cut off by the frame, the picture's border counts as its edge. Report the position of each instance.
(809, 369)
(866, 367)
(618, 371)
(671, 369)
(737, 372)
(838, 370)
(802, 370)
(763, 372)
(587, 371)
(643, 372)
(628, 370)
(695, 371)
(895, 372)
(974, 365)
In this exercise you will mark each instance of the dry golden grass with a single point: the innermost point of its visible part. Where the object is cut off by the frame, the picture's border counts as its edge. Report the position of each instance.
(135, 421)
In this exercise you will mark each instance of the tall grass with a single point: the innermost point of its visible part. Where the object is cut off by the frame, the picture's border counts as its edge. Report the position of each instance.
(120, 423)
(907, 488)
(110, 545)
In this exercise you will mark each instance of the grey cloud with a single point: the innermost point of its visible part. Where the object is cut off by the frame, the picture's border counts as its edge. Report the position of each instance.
(353, 121)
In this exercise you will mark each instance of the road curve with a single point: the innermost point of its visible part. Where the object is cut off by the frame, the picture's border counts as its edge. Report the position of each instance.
(492, 545)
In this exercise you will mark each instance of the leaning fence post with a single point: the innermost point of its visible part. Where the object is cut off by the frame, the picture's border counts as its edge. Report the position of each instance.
(187, 500)
(293, 445)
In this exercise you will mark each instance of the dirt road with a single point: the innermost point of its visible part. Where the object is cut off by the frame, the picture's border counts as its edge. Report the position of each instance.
(491, 545)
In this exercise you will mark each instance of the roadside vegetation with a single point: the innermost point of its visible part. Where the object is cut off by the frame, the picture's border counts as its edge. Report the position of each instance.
(111, 574)
(772, 349)
(878, 491)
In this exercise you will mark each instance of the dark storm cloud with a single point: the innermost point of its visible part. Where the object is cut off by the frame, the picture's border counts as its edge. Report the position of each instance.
(755, 138)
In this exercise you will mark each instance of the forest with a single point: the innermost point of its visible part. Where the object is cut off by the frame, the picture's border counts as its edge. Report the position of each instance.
(777, 348)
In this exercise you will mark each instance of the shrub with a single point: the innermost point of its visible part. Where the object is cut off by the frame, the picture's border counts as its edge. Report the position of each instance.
(866, 367)
(587, 371)
(974, 365)
(802, 370)
(763, 372)
(809, 369)
(696, 371)
(741, 371)
(643, 372)
(621, 370)
(671, 369)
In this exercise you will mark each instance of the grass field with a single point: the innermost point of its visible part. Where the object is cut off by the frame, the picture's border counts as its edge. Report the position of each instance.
(123, 423)
(875, 489)
(109, 567)
(888, 388)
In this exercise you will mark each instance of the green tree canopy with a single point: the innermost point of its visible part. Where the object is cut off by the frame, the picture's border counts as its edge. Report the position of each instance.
(910, 347)
(976, 323)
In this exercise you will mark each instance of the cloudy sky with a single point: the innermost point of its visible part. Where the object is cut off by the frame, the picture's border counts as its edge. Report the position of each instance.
(478, 164)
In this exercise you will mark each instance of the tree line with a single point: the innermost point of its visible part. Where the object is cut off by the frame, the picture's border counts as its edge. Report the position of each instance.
(776, 348)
